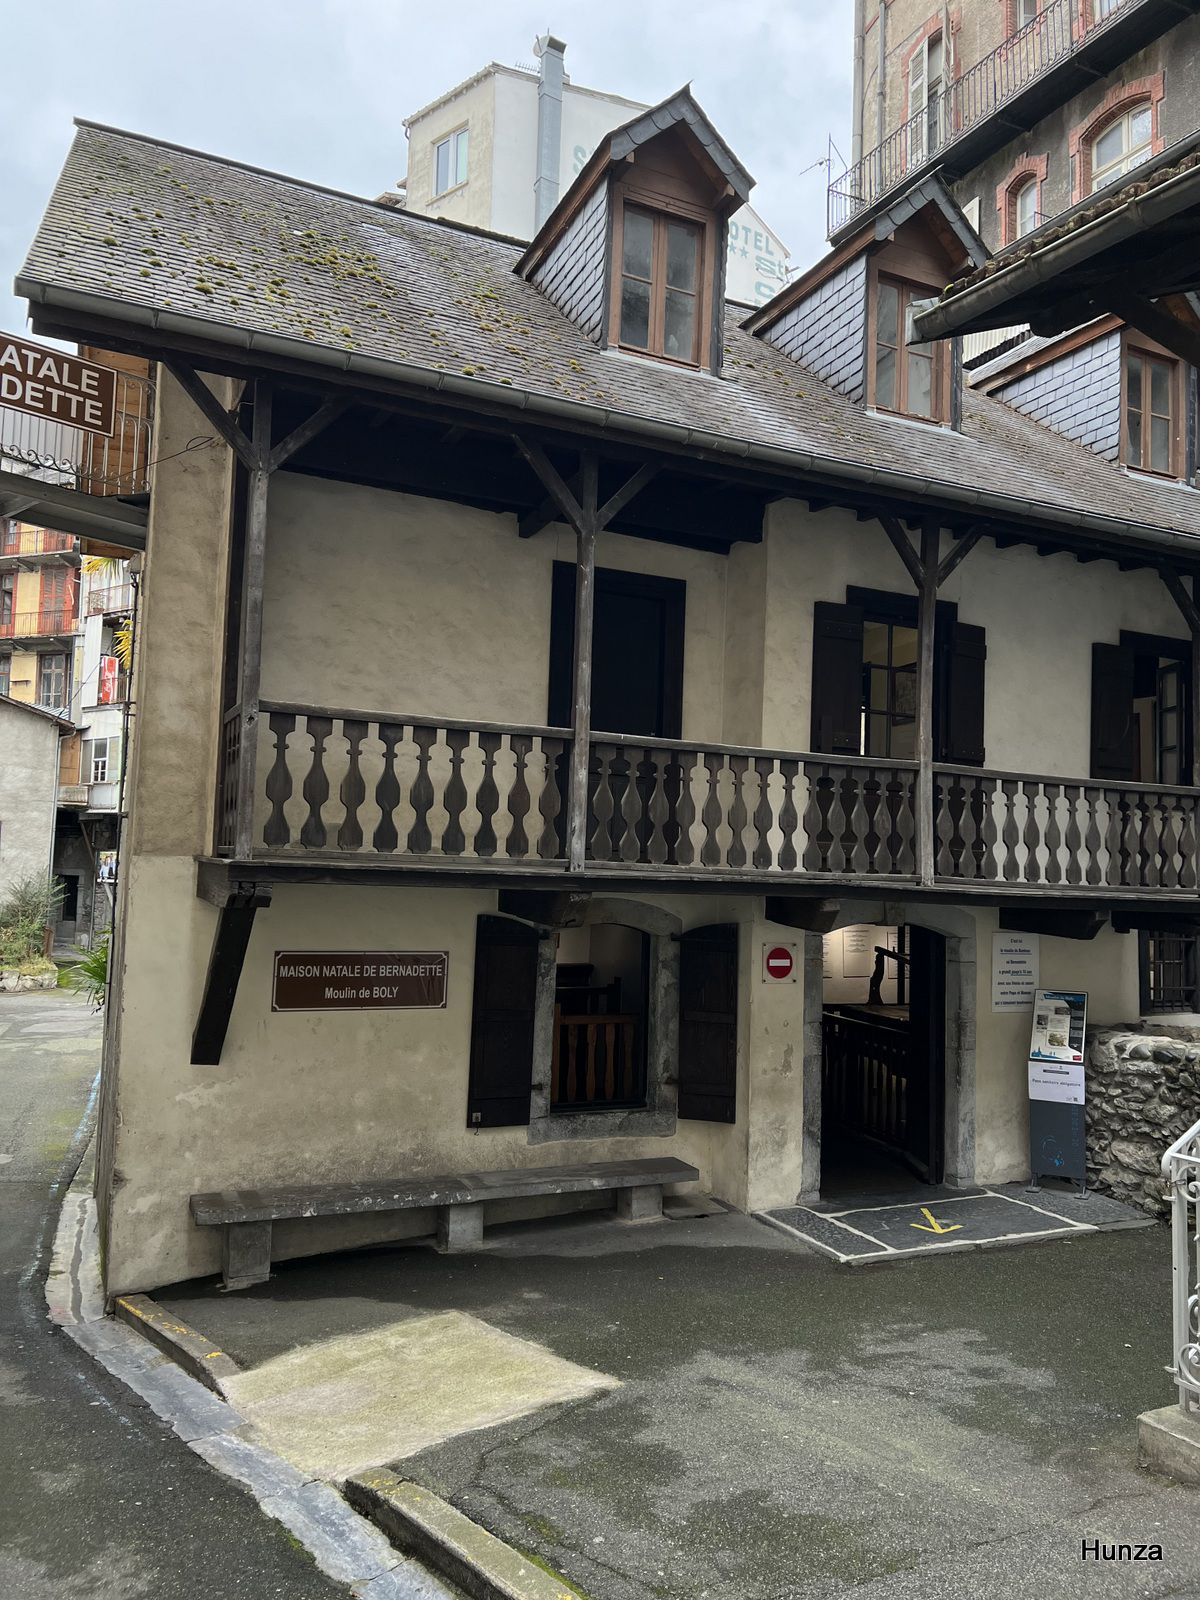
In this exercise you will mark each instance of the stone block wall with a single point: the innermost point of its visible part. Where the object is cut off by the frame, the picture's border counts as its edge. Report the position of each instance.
(1143, 1091)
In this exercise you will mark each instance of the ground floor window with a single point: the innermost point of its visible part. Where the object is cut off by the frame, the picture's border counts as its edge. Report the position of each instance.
(1169, 972)
(601, 1006)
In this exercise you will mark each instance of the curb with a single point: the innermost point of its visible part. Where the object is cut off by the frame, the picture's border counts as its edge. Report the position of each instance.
(151, 1360)
(422, 1524)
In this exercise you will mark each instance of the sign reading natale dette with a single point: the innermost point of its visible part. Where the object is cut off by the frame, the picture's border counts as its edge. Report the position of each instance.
(360, 980)
(50, 383)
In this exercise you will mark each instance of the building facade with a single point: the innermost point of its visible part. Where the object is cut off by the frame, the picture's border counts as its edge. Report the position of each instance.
(710, 735)
(500, 149)
(30, 739)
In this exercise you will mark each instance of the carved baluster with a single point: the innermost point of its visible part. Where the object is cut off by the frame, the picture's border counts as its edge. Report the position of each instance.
(1168, 834)
(420, 840)
(816, 816)
(739, 816)
(1129, 842)
(550, 844)
(958, 824)
(1053, 834)
(1032, 833)
(942, 826)
(387, 790)
(659, 811)
(276, 833)
(789, 820)
(1188, 875)
(872, 803)
(907, 821)
(1146, 860)
(683, 772)
(316, 784)
(517, 848)
(1095, 842)
(487, 798)
(1072, 835)
(353, 790)
(893, 840)
(605, 767)
(762, 858)
(454, 798)
(711, 813)
(629, 825)
(857, 820)
(1010, 833)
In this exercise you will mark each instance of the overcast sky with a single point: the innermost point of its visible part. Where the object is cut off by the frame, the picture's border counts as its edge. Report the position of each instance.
(319, 89)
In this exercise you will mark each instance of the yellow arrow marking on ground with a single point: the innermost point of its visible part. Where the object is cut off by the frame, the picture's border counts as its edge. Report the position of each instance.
(934, 1225)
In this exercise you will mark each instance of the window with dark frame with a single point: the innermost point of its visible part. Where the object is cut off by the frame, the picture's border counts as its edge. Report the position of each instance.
(661, 261)
(906, 375)
(1168, 971)
(5, 674)
(52, 681)
(8, 586)
(1150, 383)
(889, 716)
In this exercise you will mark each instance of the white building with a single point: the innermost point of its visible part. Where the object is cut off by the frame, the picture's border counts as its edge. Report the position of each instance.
(500, 149)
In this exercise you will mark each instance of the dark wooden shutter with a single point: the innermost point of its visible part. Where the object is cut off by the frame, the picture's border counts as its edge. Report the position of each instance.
(502, 1017)
(837, 678)
(1112, 712)
(708, 985)
(964, 695)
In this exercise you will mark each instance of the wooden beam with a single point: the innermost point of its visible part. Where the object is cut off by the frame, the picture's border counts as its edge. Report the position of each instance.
(1150, 319)
(960, 553)
(795, 911)
(308, 430)
(1081, 923)
(632, 486)
(904, 549)
(553, 482)
(531, 523)
(926, 617)
(1132, 921)
(235, 922)
(250, 638)
(205, 401)
(1181, 597)
(550, 908)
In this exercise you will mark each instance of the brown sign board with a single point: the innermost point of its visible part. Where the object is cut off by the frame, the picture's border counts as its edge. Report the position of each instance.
(360, 980)
(50, 383)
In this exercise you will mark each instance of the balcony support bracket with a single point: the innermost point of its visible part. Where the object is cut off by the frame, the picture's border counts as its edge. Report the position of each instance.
(1070, 924)
(808, 914)
(235, 921)
(548, 908)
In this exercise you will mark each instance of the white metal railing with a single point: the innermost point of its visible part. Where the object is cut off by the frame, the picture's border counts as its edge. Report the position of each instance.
(1181, 1169)
(51, 452)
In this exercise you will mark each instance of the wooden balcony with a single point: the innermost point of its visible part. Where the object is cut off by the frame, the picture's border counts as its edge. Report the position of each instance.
(358, 789)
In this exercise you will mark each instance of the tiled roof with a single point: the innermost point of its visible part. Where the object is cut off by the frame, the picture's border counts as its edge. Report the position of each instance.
(156, 229)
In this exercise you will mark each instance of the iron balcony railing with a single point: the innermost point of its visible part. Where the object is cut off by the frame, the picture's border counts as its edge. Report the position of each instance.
(106, 602)
(46, 624)
(51, 452)
(1059, 28)
(1181, 1169)
(361, 786)
(18, 541)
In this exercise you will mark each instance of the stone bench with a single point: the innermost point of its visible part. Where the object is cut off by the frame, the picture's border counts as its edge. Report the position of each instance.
(247, 1215)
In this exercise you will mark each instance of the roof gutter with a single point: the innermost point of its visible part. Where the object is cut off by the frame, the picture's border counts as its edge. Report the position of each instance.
(552, 409)
(988, 304)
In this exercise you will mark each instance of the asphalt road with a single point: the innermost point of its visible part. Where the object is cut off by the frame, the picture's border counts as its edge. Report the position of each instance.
(98, 1497)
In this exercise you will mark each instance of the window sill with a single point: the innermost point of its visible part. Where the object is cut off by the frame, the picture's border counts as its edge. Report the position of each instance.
(688, 368)
(628, 1123)
(927, 423)
(446, 193)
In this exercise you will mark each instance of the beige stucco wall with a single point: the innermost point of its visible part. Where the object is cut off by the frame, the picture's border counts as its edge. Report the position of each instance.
(474, 109)
(28, 791)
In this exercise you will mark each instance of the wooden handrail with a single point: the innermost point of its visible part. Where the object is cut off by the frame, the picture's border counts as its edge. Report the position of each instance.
(426, 720)
(1116, 784)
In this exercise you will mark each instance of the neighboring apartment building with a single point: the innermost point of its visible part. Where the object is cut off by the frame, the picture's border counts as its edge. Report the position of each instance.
(500, 644)
(499, 150)
(30, 741)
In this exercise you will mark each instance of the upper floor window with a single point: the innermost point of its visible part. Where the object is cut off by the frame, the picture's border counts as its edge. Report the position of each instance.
(52, 681)
(8, 590)
(450, 162)
(99, 768)
(1123, 145)
(1026, 12)
(926, 72)
(1025, 208)
(908, 377)
(1105, 8)
(1151, 412)
(661, 266)
(5, 674)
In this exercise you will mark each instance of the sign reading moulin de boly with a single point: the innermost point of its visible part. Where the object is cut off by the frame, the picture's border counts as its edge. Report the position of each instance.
(360, 980)
(51, 383)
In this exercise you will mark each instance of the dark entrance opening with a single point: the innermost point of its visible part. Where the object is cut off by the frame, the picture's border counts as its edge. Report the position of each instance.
(884, 1060)
(601, 1018)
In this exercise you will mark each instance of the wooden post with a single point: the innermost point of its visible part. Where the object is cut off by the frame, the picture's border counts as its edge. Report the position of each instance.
(581, 721)
(926, 617)
(1189, 607)
(250, 637)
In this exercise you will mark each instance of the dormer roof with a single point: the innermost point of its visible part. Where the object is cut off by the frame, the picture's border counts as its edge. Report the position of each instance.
(679, 111)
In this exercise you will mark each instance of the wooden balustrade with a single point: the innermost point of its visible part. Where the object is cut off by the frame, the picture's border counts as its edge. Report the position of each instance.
(669, 804)
(361, 783)
(865, 1076)
(595, 1060)
(1007, 827)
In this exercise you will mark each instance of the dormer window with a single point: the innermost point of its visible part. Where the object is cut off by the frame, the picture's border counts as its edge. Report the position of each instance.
(1152, 439)
(908, 377)
(661, 259)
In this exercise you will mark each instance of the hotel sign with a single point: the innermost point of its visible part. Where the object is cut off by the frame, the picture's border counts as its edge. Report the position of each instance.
(49, 383)
(360, 980)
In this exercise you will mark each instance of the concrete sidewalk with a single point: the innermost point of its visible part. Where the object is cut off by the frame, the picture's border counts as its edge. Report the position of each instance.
(946, 1426)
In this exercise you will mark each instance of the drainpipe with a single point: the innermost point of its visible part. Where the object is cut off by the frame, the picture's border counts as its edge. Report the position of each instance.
(856, 133)
(549, 52)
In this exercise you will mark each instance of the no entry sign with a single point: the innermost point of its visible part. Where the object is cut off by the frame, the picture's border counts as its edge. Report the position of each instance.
(779, 963)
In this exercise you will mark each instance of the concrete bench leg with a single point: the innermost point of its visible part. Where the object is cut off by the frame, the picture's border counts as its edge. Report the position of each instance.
(246, 1254)
(637, 1205)
(460, 1227)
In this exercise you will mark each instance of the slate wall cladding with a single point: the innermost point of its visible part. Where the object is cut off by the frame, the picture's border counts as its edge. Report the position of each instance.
(1078, 396)
(572, 275)
(825, 331)
(1143, 1091)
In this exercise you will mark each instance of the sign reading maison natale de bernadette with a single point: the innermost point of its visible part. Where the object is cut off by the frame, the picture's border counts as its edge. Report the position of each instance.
(49, 383)
(360, 980)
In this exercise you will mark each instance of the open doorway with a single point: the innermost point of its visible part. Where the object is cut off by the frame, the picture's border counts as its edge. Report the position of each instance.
(601, 1018)
(883, 1060)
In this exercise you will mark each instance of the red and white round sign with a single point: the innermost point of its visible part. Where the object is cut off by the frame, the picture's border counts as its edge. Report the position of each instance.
(778, 962)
